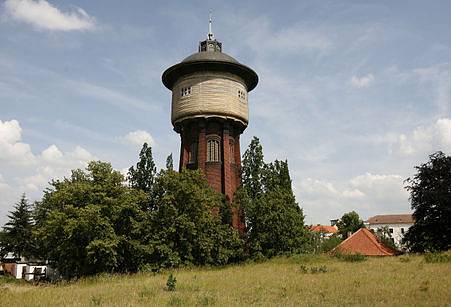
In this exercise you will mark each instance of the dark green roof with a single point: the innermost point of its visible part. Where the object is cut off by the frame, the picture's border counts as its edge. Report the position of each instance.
(209, 61)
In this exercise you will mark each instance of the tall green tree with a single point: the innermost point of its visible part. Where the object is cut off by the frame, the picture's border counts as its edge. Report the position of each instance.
(185, 228)
(349, 223)
(169, 163)
(91, 223)
(252, 168)
(430, 197)
(274, 220)
(17, 235)
(142, 176)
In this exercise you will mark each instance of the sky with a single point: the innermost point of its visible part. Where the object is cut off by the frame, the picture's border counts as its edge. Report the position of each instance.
(354, 94)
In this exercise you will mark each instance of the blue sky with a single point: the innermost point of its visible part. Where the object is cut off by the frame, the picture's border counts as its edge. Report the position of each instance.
(353, 93)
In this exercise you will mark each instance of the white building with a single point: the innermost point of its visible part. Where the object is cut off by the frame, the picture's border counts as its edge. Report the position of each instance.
(397, 224)
(22, 268)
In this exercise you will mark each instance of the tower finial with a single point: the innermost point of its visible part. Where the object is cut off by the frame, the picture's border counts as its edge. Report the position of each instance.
(211, 36)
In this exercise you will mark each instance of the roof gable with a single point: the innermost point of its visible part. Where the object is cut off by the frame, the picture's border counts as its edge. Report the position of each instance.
(364, 242)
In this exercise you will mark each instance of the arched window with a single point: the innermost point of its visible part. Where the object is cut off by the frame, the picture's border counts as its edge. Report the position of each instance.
(213, 148)
(192, 154)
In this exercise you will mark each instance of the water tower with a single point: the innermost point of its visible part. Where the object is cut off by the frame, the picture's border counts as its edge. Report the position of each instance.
(210, 112)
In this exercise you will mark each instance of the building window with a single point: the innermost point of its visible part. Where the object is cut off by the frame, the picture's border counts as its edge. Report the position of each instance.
(213, 148)
(185, 91)
(390, 230)
(241, 94)
(192, 154)
(402, 230)
(231, 151)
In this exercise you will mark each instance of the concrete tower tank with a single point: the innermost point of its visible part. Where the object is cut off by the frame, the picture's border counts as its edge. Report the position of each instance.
(210, 112)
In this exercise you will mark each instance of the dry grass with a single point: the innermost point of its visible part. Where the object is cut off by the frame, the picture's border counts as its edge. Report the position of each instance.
(395, 281)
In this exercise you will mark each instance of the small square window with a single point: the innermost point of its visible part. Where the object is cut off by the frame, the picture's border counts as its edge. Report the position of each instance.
(391, 230)
(185, 91)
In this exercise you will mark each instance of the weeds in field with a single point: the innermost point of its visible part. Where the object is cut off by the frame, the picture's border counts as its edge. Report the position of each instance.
(96, 300)
(351, 257)
(437, 257)
(313, 270)
(175, 301)
(171, 283)
(404, 259)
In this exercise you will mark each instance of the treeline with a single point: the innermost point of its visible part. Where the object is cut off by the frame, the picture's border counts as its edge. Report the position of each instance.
(98, 221)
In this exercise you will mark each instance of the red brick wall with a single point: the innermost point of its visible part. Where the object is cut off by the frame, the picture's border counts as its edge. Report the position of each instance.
(223, 176)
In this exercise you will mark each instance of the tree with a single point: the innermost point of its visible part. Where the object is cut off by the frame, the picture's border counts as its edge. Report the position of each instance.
(349, 223)
(430, 197)
(274, 220)
(385, 237)
(252, 168)
(17, 235)
(185, 228)
(91, 223)
(143, 175)
(169, 163)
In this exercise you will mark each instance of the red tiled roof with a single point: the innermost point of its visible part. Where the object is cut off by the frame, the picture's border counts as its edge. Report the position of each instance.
(391, 219)
(364, 242)
(324, 229)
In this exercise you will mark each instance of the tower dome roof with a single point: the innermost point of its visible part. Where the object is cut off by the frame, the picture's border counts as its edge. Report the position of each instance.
(210, 58)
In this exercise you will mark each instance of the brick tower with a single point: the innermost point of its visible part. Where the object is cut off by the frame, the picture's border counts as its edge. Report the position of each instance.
(210, 111)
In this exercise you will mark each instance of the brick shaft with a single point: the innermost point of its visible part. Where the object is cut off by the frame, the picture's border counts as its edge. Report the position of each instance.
(224, 176)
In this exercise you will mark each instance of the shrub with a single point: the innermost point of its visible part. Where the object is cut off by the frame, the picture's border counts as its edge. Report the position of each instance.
(437, 257)
(171, 283)
(320, 269)
(313, 270)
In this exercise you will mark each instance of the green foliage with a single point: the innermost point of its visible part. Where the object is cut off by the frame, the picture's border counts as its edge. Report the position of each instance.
(91, 223)
(317, 243)
(169, 163)
(328, 244)
(252, 168)
(349, 223)
(185, 227)
(384, 236)
(274, 221)
(143, 175)
(436, 257)
(313, 270)
(17, 234)
(319, 269)
(171, 283)
(430, 196)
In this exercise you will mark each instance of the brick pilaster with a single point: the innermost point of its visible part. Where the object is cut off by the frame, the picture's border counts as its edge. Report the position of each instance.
(202, 147)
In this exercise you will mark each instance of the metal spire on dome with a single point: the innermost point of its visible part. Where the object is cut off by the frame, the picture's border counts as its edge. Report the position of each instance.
(211, 36)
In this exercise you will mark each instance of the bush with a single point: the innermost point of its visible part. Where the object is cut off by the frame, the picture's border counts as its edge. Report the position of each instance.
(171, 283)
(313, 270)
(437, 257)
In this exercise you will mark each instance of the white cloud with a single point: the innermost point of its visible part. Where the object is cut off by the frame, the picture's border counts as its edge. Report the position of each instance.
(425, 139)
(138, 137)
(36, 170)
(362, 82)
(367, 194)
(11, 149)
(51, 154)
(42, 15)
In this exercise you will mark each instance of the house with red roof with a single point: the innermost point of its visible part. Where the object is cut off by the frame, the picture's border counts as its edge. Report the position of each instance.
(324, 230)
(364, 242)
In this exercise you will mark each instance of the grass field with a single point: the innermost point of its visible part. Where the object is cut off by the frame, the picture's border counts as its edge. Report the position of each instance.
(291, 281)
